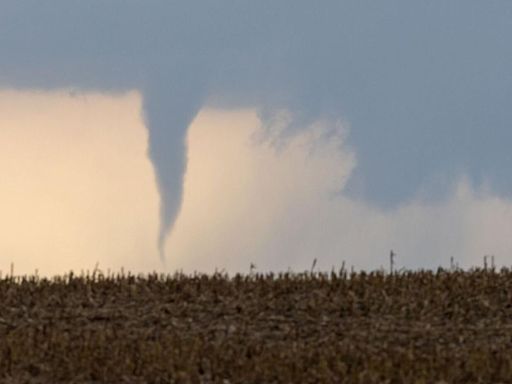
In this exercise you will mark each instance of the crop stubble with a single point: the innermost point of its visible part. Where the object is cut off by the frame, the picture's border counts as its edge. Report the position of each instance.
(409, 327)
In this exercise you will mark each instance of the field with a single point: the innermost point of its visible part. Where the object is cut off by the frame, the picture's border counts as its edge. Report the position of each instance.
(407, 327)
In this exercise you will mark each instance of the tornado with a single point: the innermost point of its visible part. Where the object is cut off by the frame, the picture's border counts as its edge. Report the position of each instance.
(169, 106)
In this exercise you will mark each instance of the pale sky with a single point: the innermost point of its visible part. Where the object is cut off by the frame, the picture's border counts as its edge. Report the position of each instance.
(77, 187)
(336, 131)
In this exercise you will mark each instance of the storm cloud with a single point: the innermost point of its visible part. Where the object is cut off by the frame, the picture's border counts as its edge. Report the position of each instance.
(426, 87)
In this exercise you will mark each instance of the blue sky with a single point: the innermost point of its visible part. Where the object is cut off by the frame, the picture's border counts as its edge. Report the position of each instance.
(424, 89)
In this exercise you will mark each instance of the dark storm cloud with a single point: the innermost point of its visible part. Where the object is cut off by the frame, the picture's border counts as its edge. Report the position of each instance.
(426, 86)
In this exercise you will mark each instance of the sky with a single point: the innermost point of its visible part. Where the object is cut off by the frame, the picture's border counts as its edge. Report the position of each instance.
(202, 135)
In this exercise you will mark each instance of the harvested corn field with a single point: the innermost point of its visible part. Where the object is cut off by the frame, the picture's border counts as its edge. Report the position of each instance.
(409, 327)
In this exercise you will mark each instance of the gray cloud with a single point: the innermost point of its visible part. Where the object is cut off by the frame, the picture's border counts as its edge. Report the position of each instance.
(425, 86)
